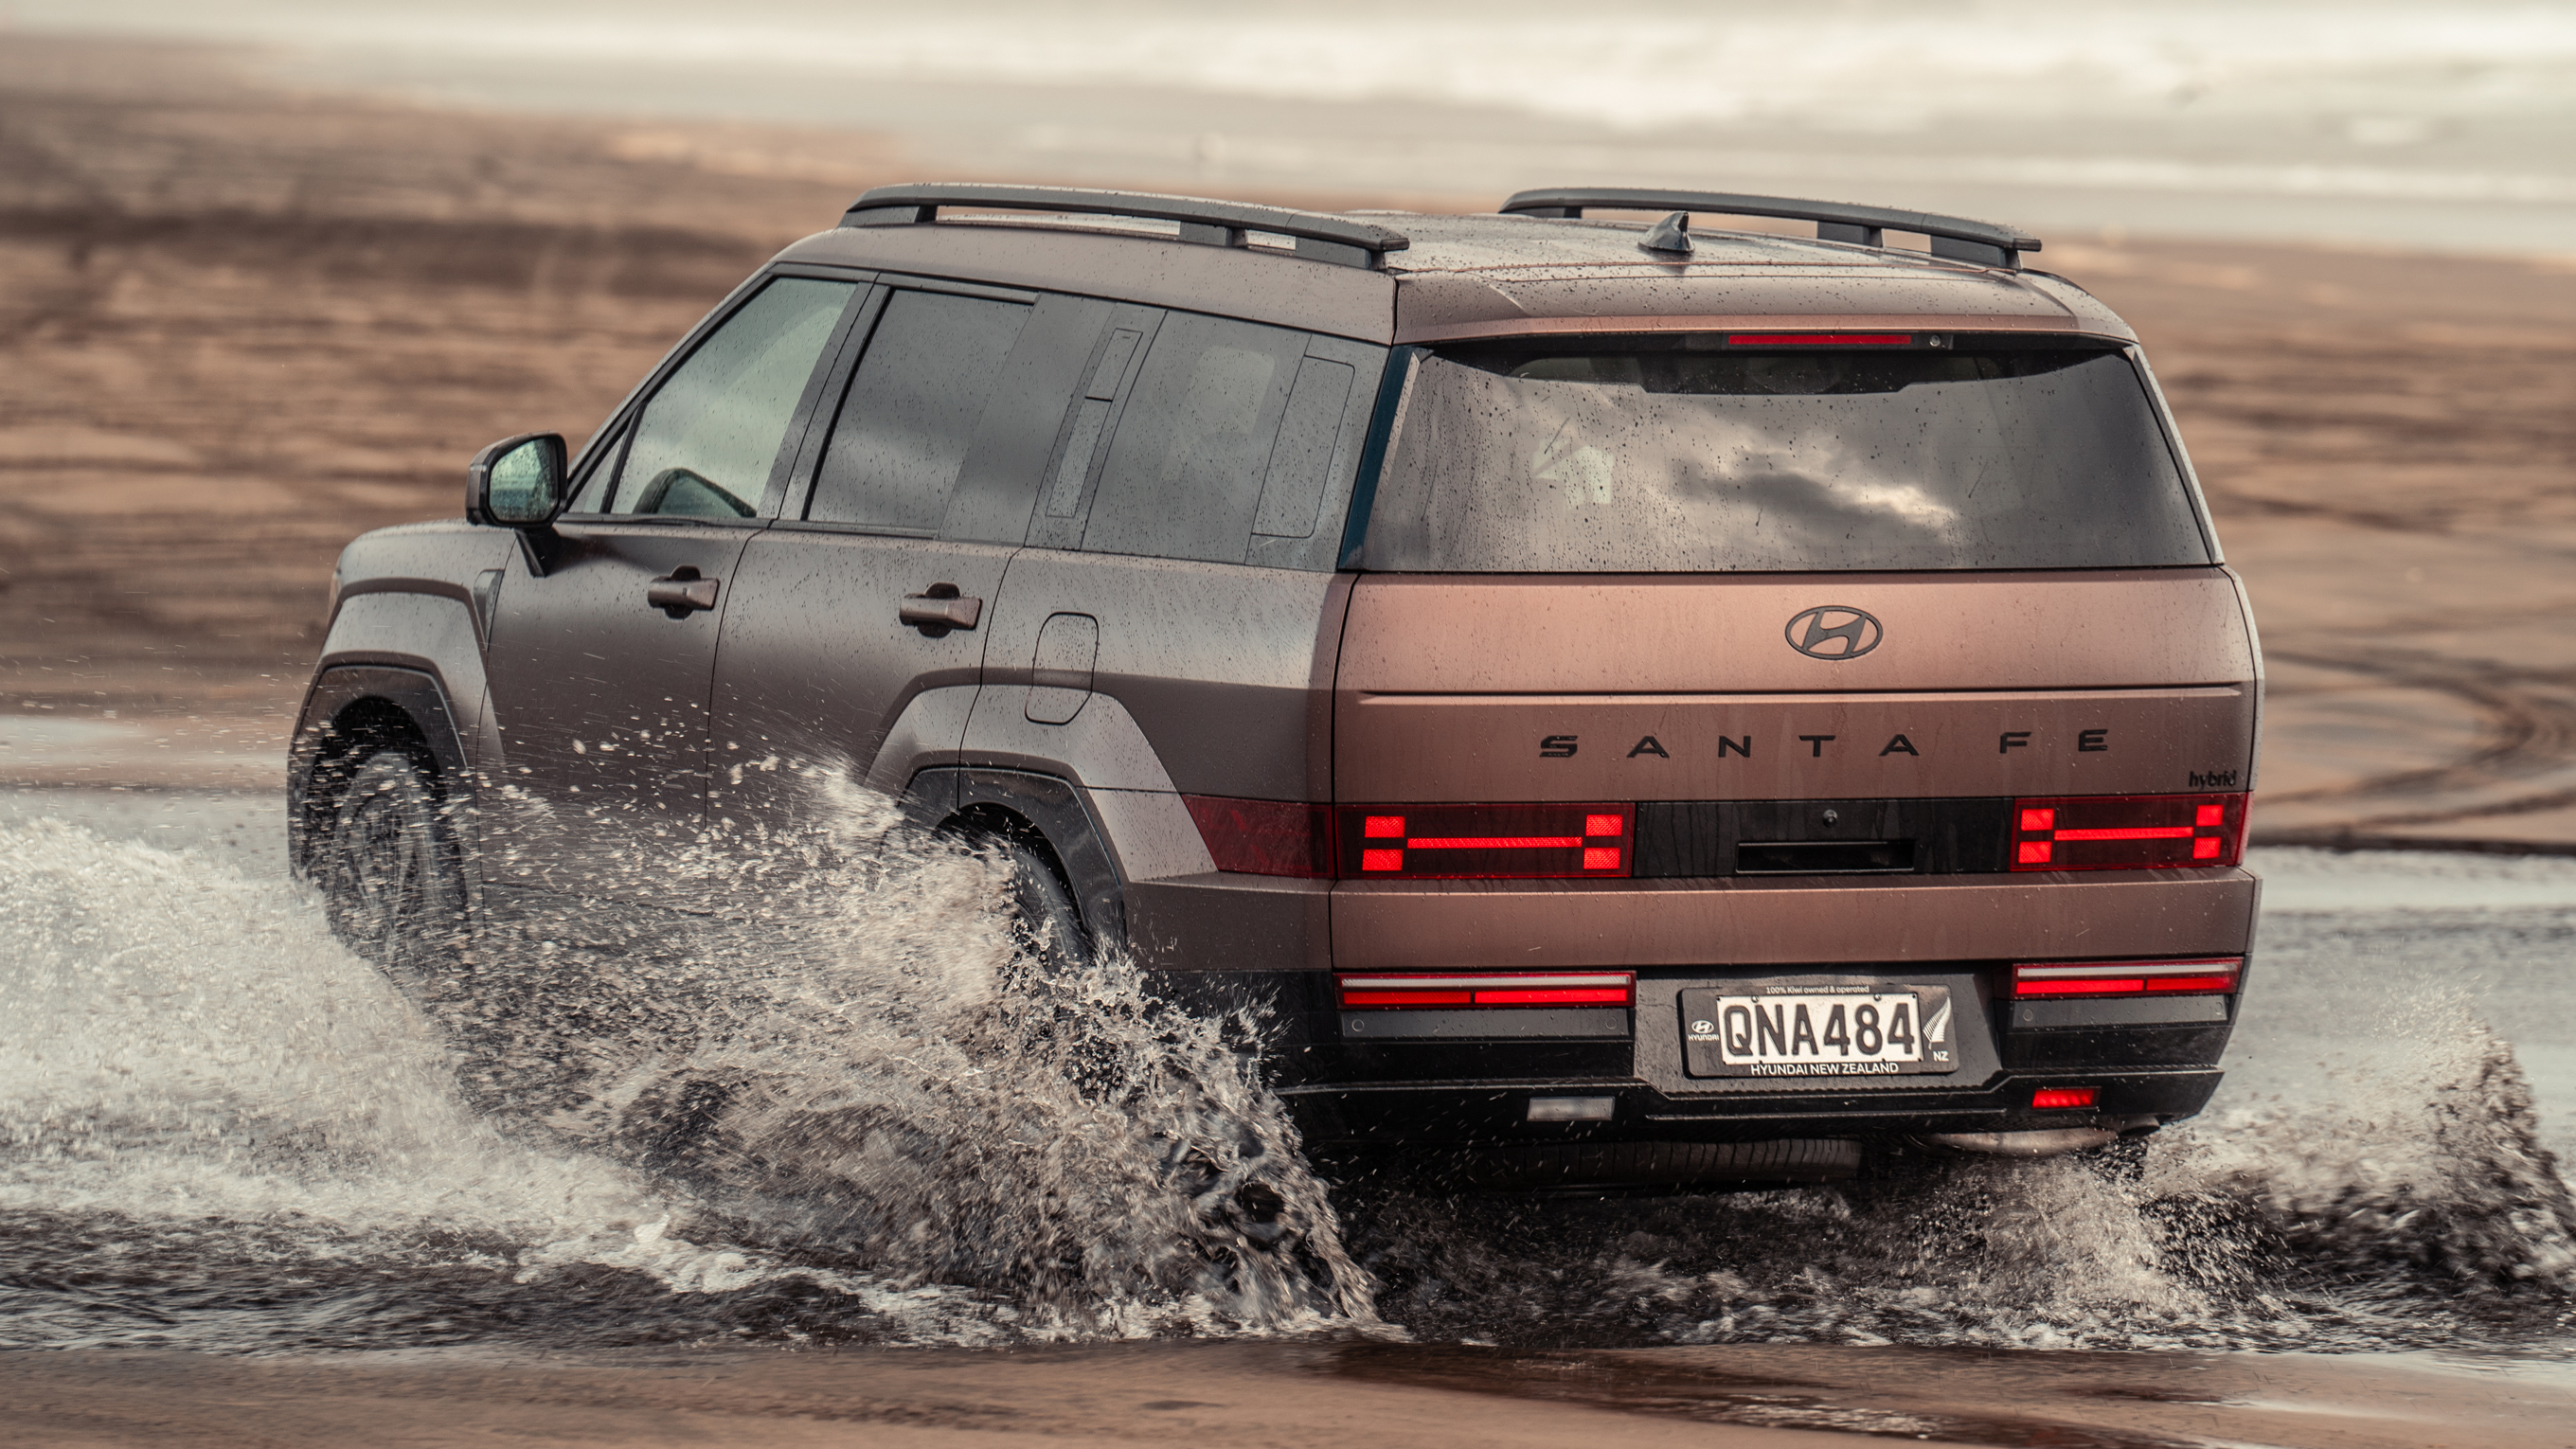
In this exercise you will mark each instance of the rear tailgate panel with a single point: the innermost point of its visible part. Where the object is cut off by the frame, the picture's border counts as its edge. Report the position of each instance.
(1666, 687)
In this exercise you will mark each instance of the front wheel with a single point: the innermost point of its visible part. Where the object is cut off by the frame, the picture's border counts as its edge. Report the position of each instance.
(393, 887)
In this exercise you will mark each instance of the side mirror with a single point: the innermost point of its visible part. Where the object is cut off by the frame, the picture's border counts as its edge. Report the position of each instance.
(517, 482)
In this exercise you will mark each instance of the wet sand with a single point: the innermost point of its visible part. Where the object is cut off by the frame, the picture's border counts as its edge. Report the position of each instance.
(239, 326)
(1288, 1395)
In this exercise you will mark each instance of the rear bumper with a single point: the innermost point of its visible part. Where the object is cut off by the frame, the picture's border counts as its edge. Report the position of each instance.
(1431, 1079)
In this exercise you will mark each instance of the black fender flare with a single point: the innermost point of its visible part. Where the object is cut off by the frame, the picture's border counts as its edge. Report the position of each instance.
(1055, 810)
(419, 696)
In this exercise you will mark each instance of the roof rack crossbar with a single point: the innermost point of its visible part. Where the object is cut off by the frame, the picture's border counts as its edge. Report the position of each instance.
(1953, 237)
(1319, 237)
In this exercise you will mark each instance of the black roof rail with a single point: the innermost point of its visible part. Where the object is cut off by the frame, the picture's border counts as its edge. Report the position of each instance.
(1319, 237)
(1953, 237)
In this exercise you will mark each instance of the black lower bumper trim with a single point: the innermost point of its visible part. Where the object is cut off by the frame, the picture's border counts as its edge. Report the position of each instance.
(1469, 1113)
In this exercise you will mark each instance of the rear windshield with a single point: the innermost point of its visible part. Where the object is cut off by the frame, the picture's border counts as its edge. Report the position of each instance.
(1688, 455)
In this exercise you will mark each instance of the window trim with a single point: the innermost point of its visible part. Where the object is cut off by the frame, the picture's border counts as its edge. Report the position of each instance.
(1064, 531)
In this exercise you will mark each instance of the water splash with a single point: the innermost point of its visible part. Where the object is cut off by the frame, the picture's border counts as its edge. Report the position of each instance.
(2415, 1208)
(864, 1112)
(873, 1106)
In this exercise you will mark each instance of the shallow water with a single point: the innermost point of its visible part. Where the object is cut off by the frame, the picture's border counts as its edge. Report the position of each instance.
(870, 1124)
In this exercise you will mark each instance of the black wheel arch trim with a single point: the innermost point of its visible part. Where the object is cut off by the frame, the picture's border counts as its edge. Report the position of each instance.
(420, 696)
(1055, 809)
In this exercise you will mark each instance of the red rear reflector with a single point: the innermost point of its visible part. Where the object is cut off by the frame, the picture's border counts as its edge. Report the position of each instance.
(1266, 837)
(1487, 842)
(2127, 832)
(1500, 988)
(2206, 976)
(2050, 1098)
(1819, 339)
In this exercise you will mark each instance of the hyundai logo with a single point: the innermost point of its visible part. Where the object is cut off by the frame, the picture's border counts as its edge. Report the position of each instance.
(1831, 631)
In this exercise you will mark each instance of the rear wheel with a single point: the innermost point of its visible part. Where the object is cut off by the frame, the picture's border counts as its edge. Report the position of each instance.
(393, 887)
(1044, 918)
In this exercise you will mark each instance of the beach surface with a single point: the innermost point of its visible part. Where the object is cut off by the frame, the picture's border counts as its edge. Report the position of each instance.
(240, 324)
(1392, 1394)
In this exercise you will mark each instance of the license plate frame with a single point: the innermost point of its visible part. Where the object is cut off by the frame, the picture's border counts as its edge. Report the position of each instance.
(1765, 1038)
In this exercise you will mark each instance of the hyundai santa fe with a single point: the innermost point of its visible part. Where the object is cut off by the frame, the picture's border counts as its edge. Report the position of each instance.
(1634, 704)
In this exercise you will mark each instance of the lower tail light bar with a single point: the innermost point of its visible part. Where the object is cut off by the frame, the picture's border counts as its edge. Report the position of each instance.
(2206, 976)
(2127, 832)
(2059, 1099)
(1497, 988)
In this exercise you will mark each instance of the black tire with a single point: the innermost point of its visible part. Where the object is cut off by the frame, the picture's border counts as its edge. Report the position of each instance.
(1044, 917)
(393, 886)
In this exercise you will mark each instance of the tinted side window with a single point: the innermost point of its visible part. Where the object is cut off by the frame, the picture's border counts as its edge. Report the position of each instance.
(1185, 475)
(911, 410)
(1292, 491)
(705, 445)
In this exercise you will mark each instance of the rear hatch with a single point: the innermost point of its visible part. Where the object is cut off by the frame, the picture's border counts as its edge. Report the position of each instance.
(1789, 604)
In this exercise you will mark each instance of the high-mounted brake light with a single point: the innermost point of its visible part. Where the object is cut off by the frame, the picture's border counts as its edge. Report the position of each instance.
(1492, 988)
(1820, 339)
(2127, 832)
(2207, 975)
(2049, 1099)
(1486, 842)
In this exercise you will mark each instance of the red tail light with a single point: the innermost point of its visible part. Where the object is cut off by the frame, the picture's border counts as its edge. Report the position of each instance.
(2216, 974)
(1486, 842)
(2127, 832)
(1502, 988)
(2055, 1098)
(1265, 837)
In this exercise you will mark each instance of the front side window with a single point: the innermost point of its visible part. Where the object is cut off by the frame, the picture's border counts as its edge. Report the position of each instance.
(1689, 455)
(704, 446)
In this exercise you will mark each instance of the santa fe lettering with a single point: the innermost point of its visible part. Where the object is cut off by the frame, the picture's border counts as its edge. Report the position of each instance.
(1563, 747)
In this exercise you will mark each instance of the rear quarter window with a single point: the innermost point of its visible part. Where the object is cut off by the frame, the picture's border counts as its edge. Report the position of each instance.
(1671, 455)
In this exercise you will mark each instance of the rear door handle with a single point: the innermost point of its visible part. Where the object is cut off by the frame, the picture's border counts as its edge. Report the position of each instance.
(940, 609)
(681, 594)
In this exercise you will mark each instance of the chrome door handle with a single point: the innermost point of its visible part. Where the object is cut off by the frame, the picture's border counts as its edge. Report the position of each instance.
(940, 609)
(680, 594)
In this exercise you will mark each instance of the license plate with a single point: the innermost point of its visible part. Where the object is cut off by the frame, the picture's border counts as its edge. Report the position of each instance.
(1867, 1029)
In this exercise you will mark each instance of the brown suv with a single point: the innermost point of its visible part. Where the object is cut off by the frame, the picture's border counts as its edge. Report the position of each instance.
(1641, 705)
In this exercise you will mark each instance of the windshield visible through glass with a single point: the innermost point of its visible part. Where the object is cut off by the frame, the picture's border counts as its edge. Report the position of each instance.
(1671, 456)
